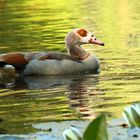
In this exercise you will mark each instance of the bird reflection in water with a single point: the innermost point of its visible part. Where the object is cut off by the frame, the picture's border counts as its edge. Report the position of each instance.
(81, 93)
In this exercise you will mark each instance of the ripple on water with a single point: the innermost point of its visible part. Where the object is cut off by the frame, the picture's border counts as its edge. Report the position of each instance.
(41, 26)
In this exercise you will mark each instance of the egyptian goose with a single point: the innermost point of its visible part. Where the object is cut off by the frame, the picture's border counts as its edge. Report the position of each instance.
(52, 63)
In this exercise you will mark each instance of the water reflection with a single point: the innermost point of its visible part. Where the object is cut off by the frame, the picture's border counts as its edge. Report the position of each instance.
(73, 83)
(41, 26)
(80, 95)
(24, 99)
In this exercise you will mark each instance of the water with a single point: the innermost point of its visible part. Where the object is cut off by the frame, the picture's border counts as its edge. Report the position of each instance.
(41, 26)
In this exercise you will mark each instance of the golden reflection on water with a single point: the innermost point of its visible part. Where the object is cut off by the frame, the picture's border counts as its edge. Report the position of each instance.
(41, 26)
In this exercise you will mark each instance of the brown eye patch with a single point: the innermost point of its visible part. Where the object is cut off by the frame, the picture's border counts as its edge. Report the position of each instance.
(82, 32)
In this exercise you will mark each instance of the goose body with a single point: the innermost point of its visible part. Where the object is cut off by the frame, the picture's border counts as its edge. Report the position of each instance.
(59, 67)
(51, 63)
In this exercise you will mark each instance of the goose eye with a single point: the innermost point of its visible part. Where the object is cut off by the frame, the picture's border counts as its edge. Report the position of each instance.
(92, 35)
(82, 32)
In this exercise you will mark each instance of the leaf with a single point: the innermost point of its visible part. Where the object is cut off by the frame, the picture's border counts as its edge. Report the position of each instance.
(136, 117)
(76, 132)
(70, 134)
(137, 107)
(128, 117)
(96, 130)
(132, 115)
(68, 138)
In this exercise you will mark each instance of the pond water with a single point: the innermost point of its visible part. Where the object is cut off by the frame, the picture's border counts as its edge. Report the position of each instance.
(34, 25)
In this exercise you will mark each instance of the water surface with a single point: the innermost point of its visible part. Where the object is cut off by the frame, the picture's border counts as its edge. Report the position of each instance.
(41, 26)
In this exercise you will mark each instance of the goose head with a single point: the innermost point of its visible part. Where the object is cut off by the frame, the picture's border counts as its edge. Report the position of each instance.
(81, 36)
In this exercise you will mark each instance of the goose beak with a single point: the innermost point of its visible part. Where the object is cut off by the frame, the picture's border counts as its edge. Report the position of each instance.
(93, 40)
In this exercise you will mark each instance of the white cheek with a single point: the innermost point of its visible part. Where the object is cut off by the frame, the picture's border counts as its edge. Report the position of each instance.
(86, 39)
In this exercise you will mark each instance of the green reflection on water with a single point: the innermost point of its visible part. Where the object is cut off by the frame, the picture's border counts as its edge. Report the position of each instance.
(24, 108)
(41, 26)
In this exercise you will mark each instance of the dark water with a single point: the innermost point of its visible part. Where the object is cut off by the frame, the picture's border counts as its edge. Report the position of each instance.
(34, 25)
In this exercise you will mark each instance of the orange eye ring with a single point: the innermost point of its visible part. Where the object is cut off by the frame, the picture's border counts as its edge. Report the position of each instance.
(82, 32)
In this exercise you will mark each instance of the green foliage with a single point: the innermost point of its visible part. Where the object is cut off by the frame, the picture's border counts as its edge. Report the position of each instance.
(132, 115)
(96, 130)
(72, 134)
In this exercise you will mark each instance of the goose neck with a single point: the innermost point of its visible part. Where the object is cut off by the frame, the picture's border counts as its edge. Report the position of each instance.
(77, 51)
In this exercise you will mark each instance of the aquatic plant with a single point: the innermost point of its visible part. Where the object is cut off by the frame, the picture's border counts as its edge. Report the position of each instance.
(95, 130)
(132, 115)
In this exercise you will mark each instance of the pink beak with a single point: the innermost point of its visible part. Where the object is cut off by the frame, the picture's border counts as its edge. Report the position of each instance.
(93, 40)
